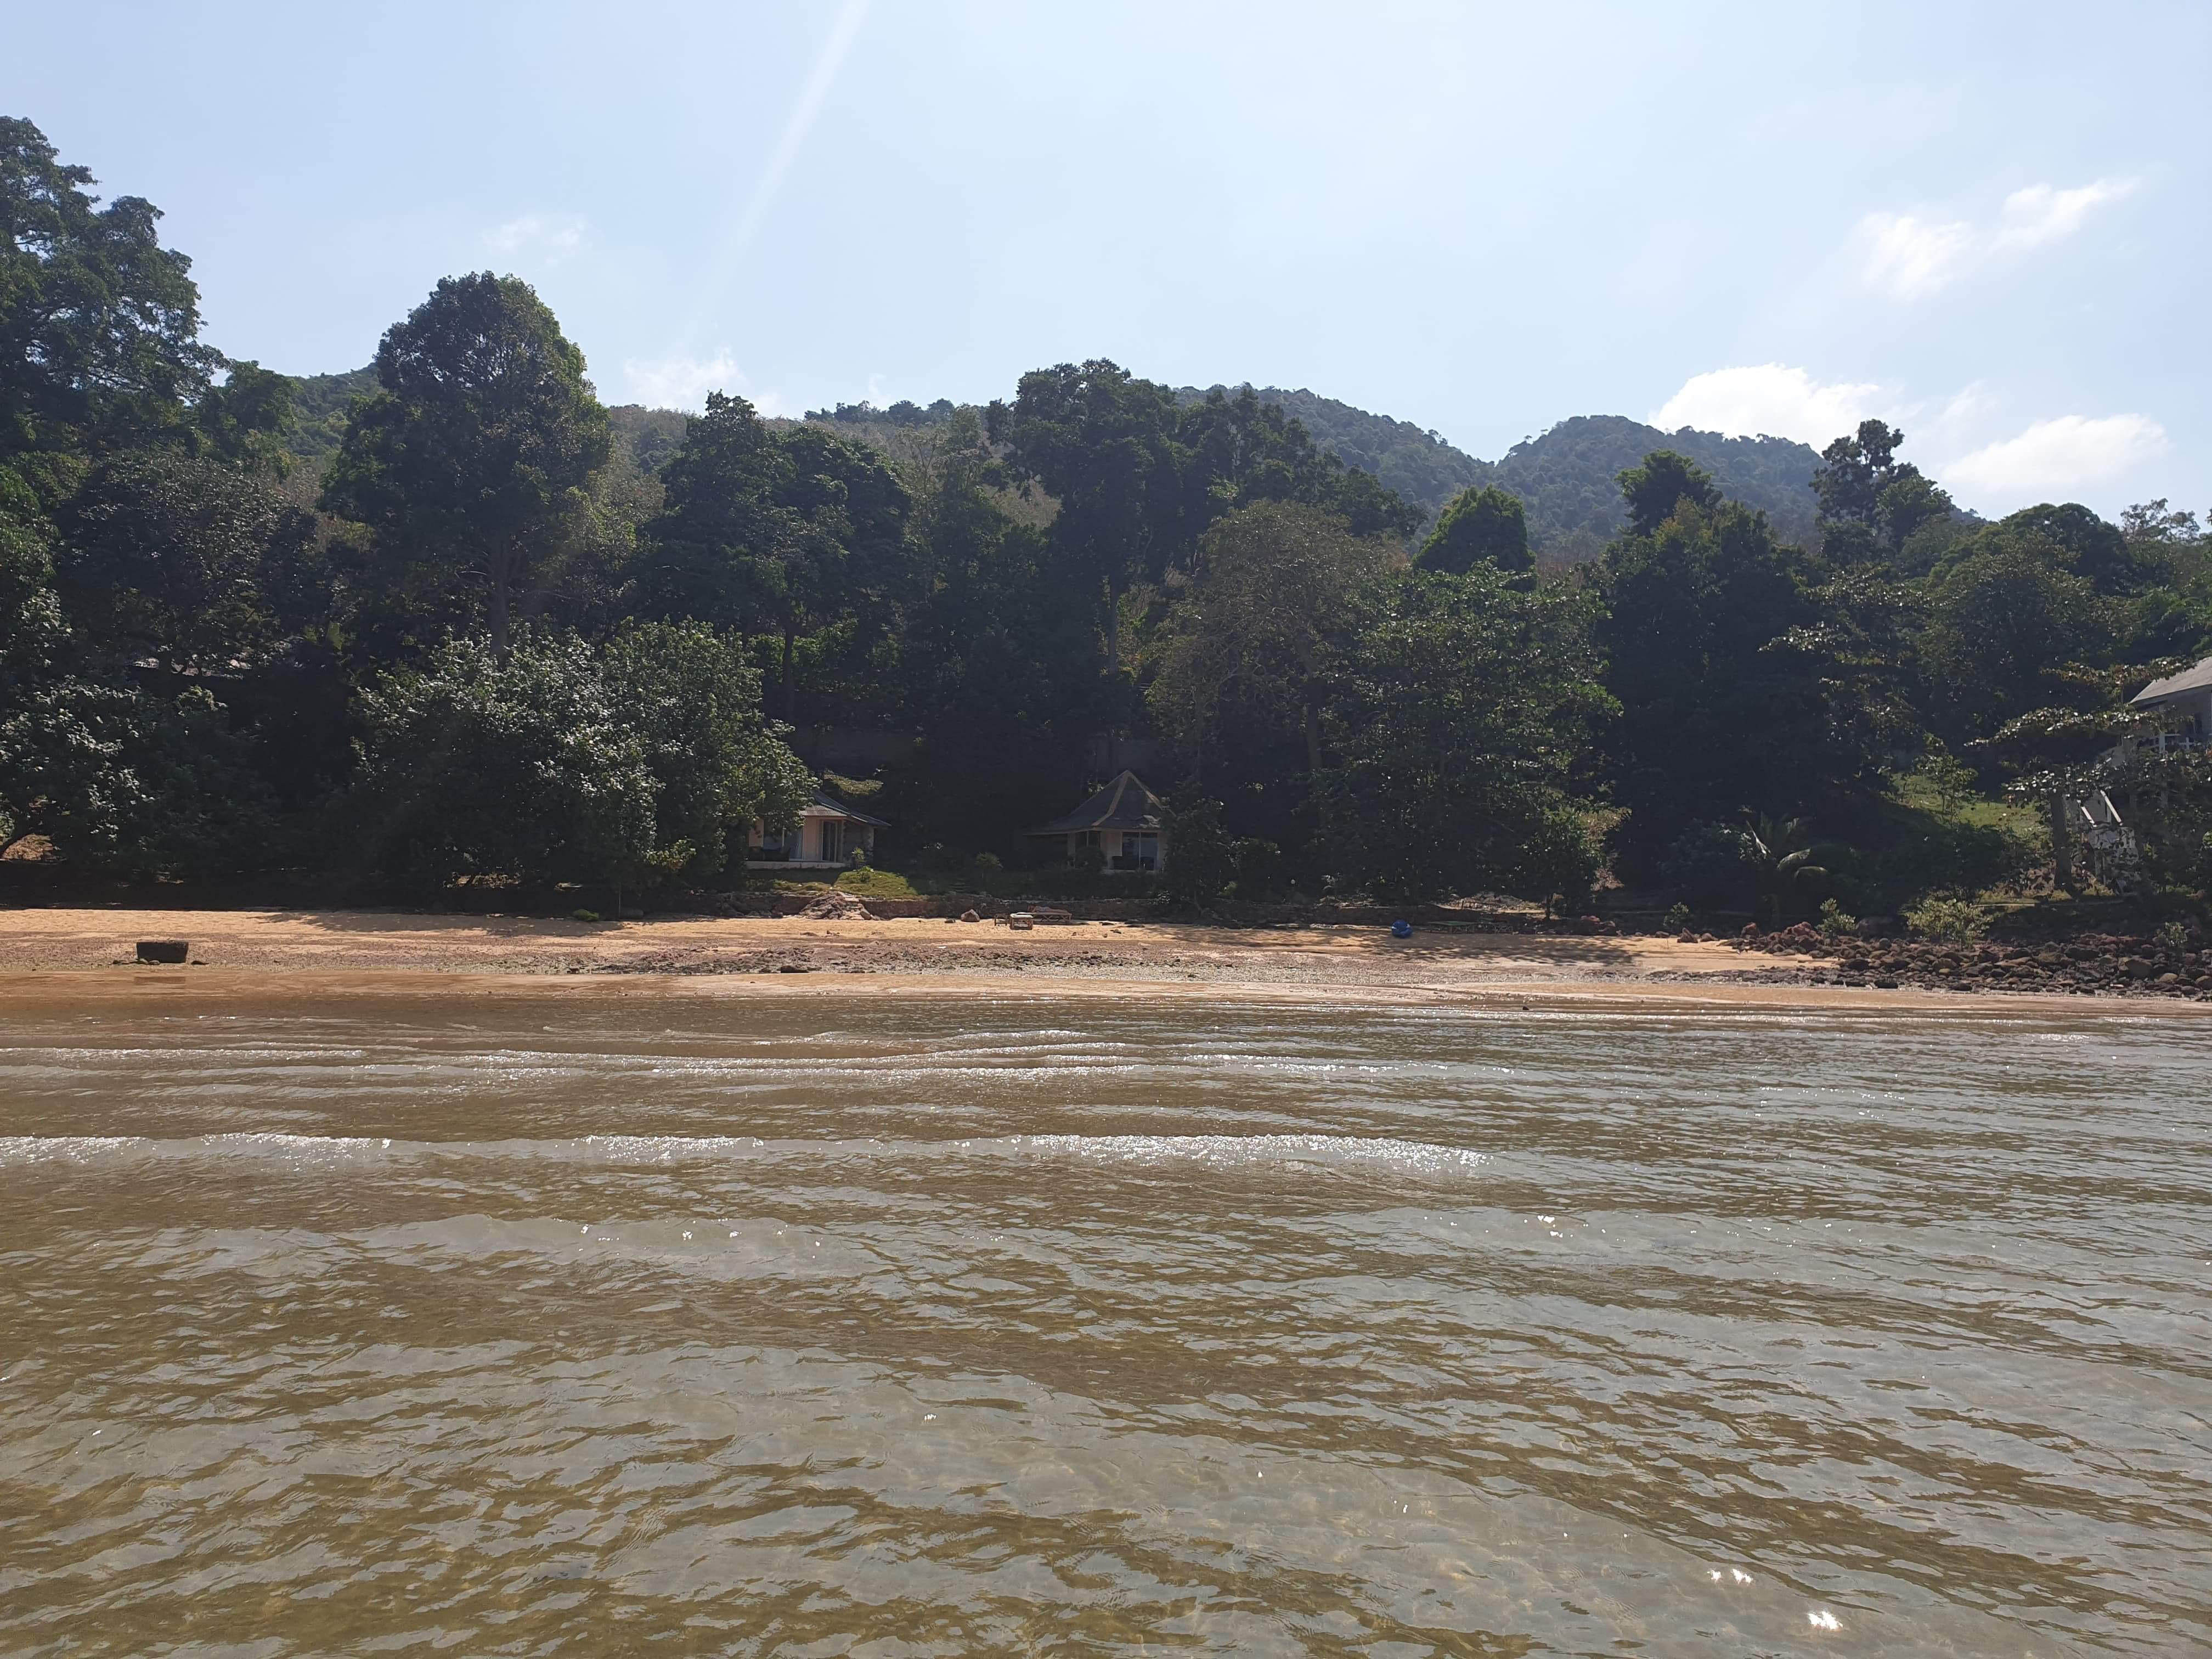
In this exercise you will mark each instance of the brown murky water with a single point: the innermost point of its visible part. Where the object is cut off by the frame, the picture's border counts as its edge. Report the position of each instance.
(884, 1328)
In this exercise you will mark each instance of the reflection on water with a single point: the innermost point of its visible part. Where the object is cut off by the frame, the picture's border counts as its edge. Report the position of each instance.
(924, 1328)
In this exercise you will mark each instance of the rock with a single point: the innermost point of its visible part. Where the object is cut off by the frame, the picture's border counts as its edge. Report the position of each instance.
(969, 916)
(836, 906)
(164, 949)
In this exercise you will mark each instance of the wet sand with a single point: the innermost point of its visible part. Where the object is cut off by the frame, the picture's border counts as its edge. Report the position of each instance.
(50, 954)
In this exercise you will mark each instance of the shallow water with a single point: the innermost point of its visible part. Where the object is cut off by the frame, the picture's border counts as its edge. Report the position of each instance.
(549, 1326)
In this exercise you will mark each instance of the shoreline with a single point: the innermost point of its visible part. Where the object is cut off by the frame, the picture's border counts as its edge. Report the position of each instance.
(80, 956)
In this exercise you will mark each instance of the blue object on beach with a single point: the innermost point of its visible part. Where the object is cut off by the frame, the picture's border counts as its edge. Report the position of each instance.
(1401, 928)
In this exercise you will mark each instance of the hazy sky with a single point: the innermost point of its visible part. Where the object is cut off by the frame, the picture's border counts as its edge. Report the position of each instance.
(1988, 223)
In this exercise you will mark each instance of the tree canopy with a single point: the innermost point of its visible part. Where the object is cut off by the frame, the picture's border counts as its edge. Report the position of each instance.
(477, 444)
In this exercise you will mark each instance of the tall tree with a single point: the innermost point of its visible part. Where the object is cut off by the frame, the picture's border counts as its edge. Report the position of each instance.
(1480, 526)
(1660, 484)
(1457, 727)
(99, 322)
(1275, 593)
(1720, 713)
(1103, 443)
(179, 559)
(1870, 499)
(479, 442)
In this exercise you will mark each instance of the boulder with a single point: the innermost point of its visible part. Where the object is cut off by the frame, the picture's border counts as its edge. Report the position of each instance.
(164, 949)
(838, 906)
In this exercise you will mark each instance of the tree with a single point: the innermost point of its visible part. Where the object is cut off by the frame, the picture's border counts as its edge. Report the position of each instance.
(717, 516)
(1275, 593)
(1455, 731)
(1238, 451)
(1861, 486)
(1662, 483)
(171, 558)
(1102, 442)
(1999, 620)
(1481, 526)
(1721, 704)
(99, 322)
(2068, 537)
(1201, 862)
(479, 442)
(717, 766)
(516, 764)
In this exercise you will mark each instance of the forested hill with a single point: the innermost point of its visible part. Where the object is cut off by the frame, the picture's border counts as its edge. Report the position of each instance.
(1567, 478)
(320, 404)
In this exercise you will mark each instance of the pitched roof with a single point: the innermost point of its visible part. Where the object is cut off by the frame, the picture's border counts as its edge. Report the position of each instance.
(2189, 679)
(843, 810)
(1124, 804)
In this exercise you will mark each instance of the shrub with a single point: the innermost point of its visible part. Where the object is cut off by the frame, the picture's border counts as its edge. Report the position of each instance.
(1834, 919)
(1260, 870)
(872, 883)
(1201, 858)
(1712, 862)
(1677, 918)
(583, 915)
(988, 861)
(1950, 917)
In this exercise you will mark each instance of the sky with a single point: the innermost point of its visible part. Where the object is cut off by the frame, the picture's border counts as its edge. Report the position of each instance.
(1985, 223)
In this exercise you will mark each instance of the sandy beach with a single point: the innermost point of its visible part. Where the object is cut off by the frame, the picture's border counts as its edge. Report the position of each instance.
(49, 955)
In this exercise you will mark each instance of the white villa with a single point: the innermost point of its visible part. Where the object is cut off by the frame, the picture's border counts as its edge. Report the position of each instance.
(1123, 822)
(2185, 701)
(827, 836)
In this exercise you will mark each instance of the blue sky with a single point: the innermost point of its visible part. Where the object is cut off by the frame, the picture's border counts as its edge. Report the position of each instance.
(1987, 223)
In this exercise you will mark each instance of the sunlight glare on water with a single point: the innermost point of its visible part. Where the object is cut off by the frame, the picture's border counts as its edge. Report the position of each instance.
(928, 1327)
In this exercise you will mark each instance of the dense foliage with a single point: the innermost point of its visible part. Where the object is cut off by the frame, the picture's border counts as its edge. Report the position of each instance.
(452, 619)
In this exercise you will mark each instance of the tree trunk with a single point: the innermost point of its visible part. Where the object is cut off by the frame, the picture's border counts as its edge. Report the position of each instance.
(1112, 629)
(2061, 845)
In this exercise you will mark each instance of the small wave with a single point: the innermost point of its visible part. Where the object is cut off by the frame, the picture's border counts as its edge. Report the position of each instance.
(312, 1152)
(1230, 1152)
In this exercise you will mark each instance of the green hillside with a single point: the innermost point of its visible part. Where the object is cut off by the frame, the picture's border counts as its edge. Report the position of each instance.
(320, 403)
(1566, 478)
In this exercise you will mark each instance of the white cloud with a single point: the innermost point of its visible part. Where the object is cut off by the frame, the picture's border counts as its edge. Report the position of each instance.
(2039, 214)
(549, 239)
(2054, 456)
(1770, 398)
(684, 382)
(1910, 257)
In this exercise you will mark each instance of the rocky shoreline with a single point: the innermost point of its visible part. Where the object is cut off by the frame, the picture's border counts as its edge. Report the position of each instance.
(2089, 965)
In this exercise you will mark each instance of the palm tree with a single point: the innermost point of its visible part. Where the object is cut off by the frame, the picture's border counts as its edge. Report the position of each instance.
(1782, 855)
